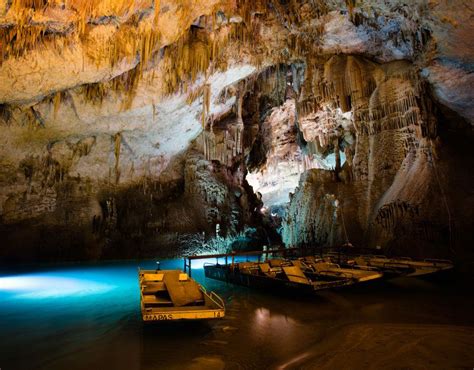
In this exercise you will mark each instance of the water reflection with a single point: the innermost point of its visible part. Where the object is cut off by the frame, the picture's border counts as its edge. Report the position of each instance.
(275, 323)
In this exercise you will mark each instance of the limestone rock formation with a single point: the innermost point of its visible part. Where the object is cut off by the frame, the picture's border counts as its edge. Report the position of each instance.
(125, 123)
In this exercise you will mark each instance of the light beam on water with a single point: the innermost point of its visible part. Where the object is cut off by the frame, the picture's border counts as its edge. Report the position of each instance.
(39, 286)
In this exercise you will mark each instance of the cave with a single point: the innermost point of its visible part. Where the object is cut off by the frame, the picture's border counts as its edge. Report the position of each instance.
(144, 134)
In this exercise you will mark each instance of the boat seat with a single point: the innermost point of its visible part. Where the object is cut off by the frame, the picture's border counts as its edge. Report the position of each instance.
(301, 264)
(153, 300)
(152, 288)
(183, 277)
(294, 274)
(325, 266)
(360, 261)
(158, 277)
(251, 270)
(362, 275)
(276, 262)
(254, 270)
(312, 261)
(268, 271)
(182, 293)
(264, 267)
(246, 265)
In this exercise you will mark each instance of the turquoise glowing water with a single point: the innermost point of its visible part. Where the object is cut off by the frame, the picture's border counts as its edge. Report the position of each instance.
(88, 317)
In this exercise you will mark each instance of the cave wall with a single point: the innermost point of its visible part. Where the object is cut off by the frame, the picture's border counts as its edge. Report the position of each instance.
(393, 192)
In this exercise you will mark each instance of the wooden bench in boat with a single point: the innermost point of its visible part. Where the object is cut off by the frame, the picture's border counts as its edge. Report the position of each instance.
(154, 300)
(294, 274)
(332, 269)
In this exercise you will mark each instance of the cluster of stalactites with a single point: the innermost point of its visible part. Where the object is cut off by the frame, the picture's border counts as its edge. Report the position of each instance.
(137, 34)
(379, 98)
(126, 84)
(223, 146)
(198, 52)
(327, 129)
(218, 142)
(387, 114)
(32, 23)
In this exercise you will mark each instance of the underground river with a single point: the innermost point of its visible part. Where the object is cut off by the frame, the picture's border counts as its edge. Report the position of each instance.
(87, 316)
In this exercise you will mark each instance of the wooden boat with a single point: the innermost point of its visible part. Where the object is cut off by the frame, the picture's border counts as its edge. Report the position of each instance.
(277, 274)
(314, 265)
(173, 295)
(393, 266)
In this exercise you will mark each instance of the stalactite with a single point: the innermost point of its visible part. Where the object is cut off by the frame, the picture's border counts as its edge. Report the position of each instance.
(157, 6)
(350, 8)
(206, 103)
(117, 147)
(94, 93)
(56, 102)
(337, 169)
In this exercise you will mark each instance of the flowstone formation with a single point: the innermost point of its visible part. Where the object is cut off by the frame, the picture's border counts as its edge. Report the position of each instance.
(128, 124)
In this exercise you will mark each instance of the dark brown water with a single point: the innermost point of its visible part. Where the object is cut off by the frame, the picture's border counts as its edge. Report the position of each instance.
(87, 317)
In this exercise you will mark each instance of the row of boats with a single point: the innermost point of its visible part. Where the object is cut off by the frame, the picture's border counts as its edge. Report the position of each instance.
(174, 295)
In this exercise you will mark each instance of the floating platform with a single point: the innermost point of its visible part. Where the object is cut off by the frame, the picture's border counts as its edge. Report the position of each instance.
(173, 295)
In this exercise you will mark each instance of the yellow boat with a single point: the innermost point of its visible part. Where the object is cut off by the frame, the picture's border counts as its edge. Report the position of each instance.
(173, 295)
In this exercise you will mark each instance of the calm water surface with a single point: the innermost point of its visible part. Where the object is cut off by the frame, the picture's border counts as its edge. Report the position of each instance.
(88, 317)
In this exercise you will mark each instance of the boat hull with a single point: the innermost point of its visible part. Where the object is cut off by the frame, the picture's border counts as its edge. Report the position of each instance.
(183, 315)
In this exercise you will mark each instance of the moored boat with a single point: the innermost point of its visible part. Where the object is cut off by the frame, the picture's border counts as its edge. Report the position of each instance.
(173, 295)
(393, 267)
(315, 265)
(314, 272)
(278, 274)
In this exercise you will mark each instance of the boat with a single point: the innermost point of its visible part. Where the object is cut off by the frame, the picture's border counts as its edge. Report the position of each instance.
(312, 273)
(174, 295)
(319, 266)
(279, 274)
(392, 267)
